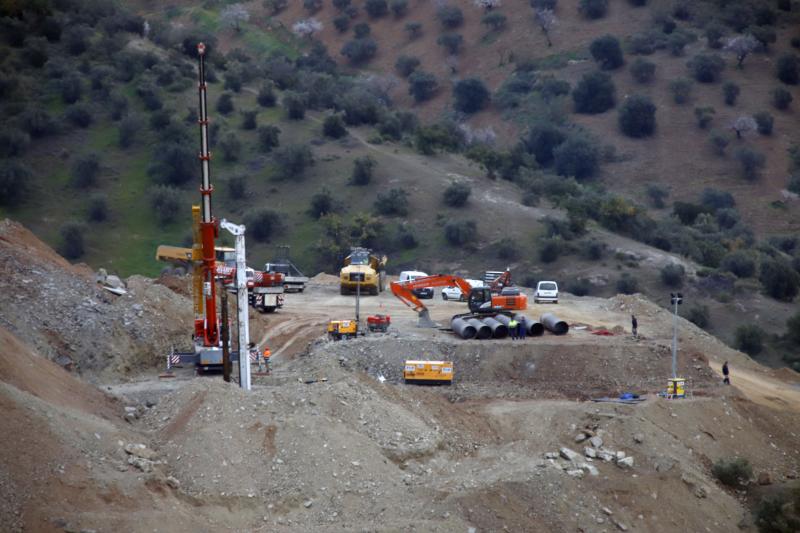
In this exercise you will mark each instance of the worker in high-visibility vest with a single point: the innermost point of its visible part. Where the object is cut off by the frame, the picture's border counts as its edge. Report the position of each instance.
(267, 355)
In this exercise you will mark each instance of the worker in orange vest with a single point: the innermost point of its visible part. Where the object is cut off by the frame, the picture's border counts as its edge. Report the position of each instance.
(267, 354)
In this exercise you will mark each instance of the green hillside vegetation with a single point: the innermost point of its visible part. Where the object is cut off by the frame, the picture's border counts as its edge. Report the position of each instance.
(452, 137)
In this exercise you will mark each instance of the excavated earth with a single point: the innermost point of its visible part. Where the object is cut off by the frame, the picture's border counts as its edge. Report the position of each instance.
(334, 440)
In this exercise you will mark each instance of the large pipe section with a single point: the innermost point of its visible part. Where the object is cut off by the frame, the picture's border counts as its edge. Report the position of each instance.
(499, 330)
(463, 329)
(553, 324)
(483, 331)
(533, 328)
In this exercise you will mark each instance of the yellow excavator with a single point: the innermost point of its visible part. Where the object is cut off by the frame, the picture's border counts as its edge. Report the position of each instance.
(363, 269)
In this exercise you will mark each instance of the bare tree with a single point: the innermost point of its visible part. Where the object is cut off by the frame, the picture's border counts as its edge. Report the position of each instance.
(233, 16)
(546, 20)
(488, 5)
(743, 124)
(306, 27)
(742, 46)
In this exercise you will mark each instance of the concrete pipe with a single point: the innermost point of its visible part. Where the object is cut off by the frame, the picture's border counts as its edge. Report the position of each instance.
(462, 329)
(483, 331)
(553, 324)
(499, 330)
(534, 329)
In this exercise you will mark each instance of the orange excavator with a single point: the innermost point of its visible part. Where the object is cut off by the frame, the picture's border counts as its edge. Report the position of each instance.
(480, 299)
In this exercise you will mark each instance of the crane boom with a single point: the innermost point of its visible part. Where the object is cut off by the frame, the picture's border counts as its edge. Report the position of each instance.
(208, 226)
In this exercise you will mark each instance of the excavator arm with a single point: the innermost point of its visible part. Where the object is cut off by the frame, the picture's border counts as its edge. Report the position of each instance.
(404, 292)
(504, 280)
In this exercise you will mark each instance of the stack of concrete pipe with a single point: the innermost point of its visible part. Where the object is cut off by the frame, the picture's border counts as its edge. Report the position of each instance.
(553, 324)
(497, 327)
(533, 328)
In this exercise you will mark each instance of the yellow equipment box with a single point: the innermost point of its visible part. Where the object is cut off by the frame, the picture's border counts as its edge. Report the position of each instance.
(428, 372)
(676, 388)
(342, 329)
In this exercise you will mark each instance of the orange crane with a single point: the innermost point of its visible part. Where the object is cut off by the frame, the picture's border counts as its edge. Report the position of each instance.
(479, 300)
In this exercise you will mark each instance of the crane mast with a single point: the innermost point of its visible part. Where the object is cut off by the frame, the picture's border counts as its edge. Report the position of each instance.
(209, 328)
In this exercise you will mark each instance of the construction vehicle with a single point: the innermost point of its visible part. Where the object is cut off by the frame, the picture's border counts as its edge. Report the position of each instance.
(181, 256)
(378, 323)
(363, 271)
(209, 348)
(343, 329)
(480, 300)
(293, 279)
(428, 372)
(498, 283)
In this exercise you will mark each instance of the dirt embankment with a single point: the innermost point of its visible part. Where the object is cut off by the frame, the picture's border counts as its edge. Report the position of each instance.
(66, 316)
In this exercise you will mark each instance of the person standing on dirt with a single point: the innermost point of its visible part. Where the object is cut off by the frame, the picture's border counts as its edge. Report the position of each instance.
(523, 328)
(267, 355)
(512, 328)
(726, 374)
(635, 327)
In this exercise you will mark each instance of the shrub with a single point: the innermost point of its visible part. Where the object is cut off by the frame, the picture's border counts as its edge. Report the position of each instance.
(732, 471)
(249, 120)
(657, 194)
(160, 119)
(706, 68)
(494, 20)
(544, 4)
(399, 8)
(704, 116)
(749, 339)
(376, 8)
(579, 287)
(422, 85)
(341, 23)
(268, 137)
(230, 146)
(716, 199)
(460, 232)
(237, 187)
(173, 163)
(359, 51)
(594, 93)
(764, 122)
(393, 203)
(362, 170)
(577, 157)
(550, 249)
(719, 141)
(627, 284)
(165, 202)
(263, 223)
(700, 316)
(405, 65)
(779, 279)
(607, 51)
(677, 41)
(646, 43)
(541, 140)
(333, 127)
(129, 127)
(312, 6)
(781, 98)
(225, 103)
(295, 105)
(37, 122)
(266, 96)
(470, 95)
(751, 162)
(13, 142)
(413, 29)
(593, 250)
(740, 263)
(731, 92)
(508, 249)
(714, 33)
(788, 69)
(637, 117)
(79, 115)
(341, 5)
(14, 178)
(71, 89)
(681, 90)
(292, 161)
(643, 71)
(672, 275)
(322, 203)
(450, 17)
(85, 170)
(73, 244)
(97, 208)
(361, 30)
(593, 9)
(451, 42)
(457, 194)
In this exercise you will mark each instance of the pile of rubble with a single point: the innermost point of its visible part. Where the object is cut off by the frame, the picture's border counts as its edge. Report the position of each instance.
(576, 465)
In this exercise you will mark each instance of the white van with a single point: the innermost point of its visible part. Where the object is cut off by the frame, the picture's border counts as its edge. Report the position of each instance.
(546, 291)
(410, 275)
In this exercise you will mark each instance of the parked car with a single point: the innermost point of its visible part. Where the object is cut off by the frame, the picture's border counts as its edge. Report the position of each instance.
(546, 291)
(410, 275)
(454, 293)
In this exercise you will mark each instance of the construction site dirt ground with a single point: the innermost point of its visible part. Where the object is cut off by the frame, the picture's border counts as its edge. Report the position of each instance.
(333, 440)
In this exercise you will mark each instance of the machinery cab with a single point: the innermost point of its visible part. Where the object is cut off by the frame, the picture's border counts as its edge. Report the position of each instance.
(481, 300)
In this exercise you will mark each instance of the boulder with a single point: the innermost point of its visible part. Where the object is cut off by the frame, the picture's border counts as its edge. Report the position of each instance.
(576, 472)
(764, 478)
(568, 454)
(625, 462)
(590, 452)
(595, 441)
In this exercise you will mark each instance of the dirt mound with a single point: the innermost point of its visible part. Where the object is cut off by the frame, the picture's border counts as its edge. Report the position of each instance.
(324, 279)
(64, 315)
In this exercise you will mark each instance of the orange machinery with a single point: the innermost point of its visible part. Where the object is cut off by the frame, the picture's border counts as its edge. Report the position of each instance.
(480, 299)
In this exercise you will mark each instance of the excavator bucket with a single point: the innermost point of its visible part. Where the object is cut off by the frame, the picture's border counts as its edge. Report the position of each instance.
(425, 320)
